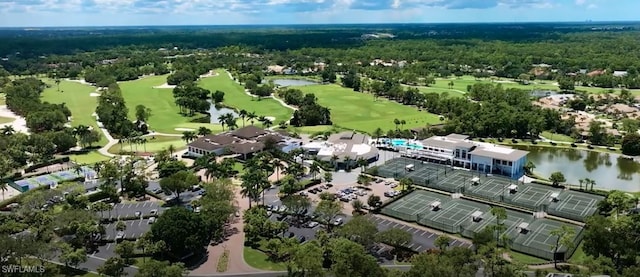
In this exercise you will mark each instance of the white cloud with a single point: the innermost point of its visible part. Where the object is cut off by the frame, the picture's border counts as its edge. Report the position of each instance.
(580, 2)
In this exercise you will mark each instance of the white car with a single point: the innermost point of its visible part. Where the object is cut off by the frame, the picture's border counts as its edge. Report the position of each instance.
(393, 185)
(154, 212)
(313, 224)
(152, 220)
(338, 221)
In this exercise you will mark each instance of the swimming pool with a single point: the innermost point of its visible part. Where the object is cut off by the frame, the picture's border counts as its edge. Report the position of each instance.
(406, 143)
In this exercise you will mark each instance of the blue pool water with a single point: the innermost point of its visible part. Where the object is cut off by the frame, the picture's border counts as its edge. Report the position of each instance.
(405, 143)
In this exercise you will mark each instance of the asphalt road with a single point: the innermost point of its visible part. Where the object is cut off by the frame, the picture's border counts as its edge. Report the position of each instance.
(185, 197)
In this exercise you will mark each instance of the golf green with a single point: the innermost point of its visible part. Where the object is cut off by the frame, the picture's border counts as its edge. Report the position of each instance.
(165, 114)
(78, 98)
(359, 111)
(234, 96)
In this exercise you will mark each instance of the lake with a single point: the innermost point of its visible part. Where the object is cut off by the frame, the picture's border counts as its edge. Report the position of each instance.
(215, 112)
(293, 82)
(610, 171)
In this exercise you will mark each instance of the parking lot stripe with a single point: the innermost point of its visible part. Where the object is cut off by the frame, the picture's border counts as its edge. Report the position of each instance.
(415, 231)
(423, 232)
(470, 246)
(133, 221)
(140, 223)
(395, 225)
(108, 245)
(418, 249)
(137, 205)
(411, 245)
(431, 235)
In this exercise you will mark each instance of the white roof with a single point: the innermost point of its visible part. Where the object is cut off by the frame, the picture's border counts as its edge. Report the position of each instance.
(513, 187)
(360, 149)
(475, 179)
(476, 214)
(555, 195)
(523, 225)
(435, 203)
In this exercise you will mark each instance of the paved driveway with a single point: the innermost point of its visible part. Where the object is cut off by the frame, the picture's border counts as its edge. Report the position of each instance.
(135, 229)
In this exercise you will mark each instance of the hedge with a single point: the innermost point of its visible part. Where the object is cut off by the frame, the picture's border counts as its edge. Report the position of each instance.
(18, 198)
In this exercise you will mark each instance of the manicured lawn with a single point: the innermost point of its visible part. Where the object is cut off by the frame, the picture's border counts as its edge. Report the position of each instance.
(234, 96)
(557, 137)
(165, 114)
(578, 257)
(78, 99)
(450, 92)
(526, 259)
(460, 83)
(4, 120)
(152, 145)
(359, 111)
(257, 259)
(2, 100)
(314, 129)
(88, 158)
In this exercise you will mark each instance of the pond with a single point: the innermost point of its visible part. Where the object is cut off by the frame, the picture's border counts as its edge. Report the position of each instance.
(610, 171)
(293, 82)
(215, 112)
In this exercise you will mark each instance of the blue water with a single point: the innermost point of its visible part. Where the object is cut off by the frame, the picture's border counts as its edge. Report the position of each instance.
(405, 143)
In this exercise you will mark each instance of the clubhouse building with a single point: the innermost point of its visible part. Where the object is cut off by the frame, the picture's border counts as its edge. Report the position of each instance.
(244, 143)
(458, 150)
(344, 149)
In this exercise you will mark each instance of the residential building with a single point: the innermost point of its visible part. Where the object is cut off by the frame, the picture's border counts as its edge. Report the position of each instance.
(458, 150)
(243, 142)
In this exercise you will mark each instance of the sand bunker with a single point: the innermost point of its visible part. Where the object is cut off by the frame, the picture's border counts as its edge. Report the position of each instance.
(165, 85)
(273, 119)
(209, 74)
(184, 129)
(93, 94)
(19, 124)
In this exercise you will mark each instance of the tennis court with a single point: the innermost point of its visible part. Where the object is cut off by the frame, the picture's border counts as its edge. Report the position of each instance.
(539, 242)
(489, 188)
(452, 215)
(408, 207)
(25, 185)
(511, 223)
(65, 175)
(575, 205)
(46, 180)
(530, 196)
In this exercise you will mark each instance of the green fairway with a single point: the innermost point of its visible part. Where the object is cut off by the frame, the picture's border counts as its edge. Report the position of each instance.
(88, 158)
(4, 120)
(234, 96)
(461, 83)
(78, 99)
(450, 92)
(165, 116)
(258, 260)
(359, 111)
(314, 129)
(557, 137)
(153, 145)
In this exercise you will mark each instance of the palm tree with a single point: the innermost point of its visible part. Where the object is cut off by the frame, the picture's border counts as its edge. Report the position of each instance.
(231, 121)
(314, 169)
(262, 118)
(357, 205)
(334, 160)
(378, 133)
(396, 122)
(591, 182)
(347, 162)
(144, 143)
(362, 163)
(4, 187)
(251, 184)
(402, 123)
(267, 123)
(203, 131)
(581, 181)
(277, 165)
(188, 136)
(243, 114)
(8, 130)
(252, 117)
(171, 149)
(222, 119)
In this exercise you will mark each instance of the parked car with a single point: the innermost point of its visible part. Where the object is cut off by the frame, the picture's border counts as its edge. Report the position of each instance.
(269, 207)
(138, 213)
(313, 224)
(338, 221)
(302, 239)
(282, 209)
(393, 185)
(152, 220)
(303, 193)
(329, 185)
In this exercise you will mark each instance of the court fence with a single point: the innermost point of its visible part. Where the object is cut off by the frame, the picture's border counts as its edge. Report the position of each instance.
(548, 253)
(398, 214)
(439, 225)
(567, 215)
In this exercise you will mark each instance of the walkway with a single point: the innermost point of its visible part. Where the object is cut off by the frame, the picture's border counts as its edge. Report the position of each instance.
(104, 150)
(234, 244)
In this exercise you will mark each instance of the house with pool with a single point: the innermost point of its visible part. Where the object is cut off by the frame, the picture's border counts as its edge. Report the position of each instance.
(459, 151)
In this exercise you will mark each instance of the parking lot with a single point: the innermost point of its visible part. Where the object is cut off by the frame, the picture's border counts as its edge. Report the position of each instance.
(185, 197)
(347, 193)
(135, 229)
(422, 239)
(127, 210)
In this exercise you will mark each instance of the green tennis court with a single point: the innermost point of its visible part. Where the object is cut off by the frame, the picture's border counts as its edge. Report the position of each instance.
(575, 205)
(408, 207)
(538, 241)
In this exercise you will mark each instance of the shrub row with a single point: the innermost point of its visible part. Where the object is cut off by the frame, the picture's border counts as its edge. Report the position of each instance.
(47, 163)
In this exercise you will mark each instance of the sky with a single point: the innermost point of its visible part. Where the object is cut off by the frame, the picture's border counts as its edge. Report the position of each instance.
(58, 13)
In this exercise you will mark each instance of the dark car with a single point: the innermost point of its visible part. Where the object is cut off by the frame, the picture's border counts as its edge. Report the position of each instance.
(329, 185)
(302, 239)
(290, 235)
